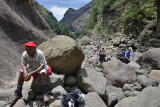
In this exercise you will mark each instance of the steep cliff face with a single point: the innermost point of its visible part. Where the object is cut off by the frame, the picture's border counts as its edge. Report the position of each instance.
(77, 19)
(19, 23)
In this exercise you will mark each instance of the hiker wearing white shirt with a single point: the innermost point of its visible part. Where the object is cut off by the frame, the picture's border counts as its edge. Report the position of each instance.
(99, 46)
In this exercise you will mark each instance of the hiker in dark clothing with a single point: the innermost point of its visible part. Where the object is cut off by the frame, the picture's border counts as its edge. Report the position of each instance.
(102, 55)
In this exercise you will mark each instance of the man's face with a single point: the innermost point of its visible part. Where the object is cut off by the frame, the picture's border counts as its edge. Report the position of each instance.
(30, 50)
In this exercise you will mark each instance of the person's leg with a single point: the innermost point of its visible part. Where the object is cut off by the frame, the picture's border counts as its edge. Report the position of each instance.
(20, 79)
(126, 61)
(44, 85)
(18, 91)
(103, 58)
(43, 78)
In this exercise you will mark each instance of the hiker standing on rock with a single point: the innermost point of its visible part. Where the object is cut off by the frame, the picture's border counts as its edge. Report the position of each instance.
(99, 46)
(102, 55)
(33, 61)
(127, 55)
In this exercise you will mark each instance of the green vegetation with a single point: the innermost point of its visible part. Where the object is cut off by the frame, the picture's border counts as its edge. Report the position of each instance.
(134, 15)
(28, 1)
(78, 34)
(93, 18)
(57, 27)
(96, 19)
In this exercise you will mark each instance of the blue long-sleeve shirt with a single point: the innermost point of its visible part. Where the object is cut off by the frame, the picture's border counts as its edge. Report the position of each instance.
(127, 53)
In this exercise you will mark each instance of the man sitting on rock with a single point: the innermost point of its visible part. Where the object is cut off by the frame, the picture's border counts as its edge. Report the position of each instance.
(33, 61)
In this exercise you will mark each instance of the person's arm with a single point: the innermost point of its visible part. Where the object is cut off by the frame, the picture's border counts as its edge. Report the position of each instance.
(24, 68)
(105, 53)
(127, 57)
(34, 72)
(126, 53)
(98, 52)
(38, 69)
(24, 64)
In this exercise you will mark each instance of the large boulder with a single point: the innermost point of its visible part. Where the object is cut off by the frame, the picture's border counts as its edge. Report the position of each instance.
(149, 97)
(58, 91)
(92, 100)
(53, 81)
(113, 95)
(144, 80)
(134, 66)
(56, 103)
(155, 74)
(63, 54)
(70, 81)
(150, 59)
(137, 57)
(20, 103)
(91, 81)
(116, 42)
(85, 41)
(117, 73)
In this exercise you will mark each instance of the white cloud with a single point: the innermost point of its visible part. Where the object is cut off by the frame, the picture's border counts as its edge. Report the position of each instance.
(58, 12)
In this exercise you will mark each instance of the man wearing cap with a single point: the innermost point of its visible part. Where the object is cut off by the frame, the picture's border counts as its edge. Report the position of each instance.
(33, 61)
(127, 55)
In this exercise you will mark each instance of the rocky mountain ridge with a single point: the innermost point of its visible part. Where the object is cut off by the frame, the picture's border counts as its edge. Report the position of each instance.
(77, 19)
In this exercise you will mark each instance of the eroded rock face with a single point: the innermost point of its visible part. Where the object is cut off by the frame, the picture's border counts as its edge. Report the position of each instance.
(150, 59)
(63, 54)
(117, 73)
(77, 19)
(23, 23)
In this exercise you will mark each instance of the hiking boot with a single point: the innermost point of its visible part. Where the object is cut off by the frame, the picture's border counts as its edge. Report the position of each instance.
(45, 98)
(14, 99)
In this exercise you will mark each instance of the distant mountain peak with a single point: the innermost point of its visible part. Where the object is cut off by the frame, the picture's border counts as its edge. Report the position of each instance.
(77, 19)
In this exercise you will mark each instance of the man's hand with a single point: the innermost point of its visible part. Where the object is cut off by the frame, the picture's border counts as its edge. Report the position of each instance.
(28, 76)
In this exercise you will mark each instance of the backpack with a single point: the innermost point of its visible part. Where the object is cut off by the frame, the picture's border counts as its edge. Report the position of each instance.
(124, 53)
(72, 99)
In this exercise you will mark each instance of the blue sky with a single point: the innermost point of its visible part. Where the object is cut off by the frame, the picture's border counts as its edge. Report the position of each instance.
(59, 7)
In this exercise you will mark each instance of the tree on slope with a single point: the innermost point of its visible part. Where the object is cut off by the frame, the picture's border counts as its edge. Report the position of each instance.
(136, 14)
(158, 15)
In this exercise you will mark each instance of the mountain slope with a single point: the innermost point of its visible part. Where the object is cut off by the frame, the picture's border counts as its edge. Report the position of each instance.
(77, 19)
